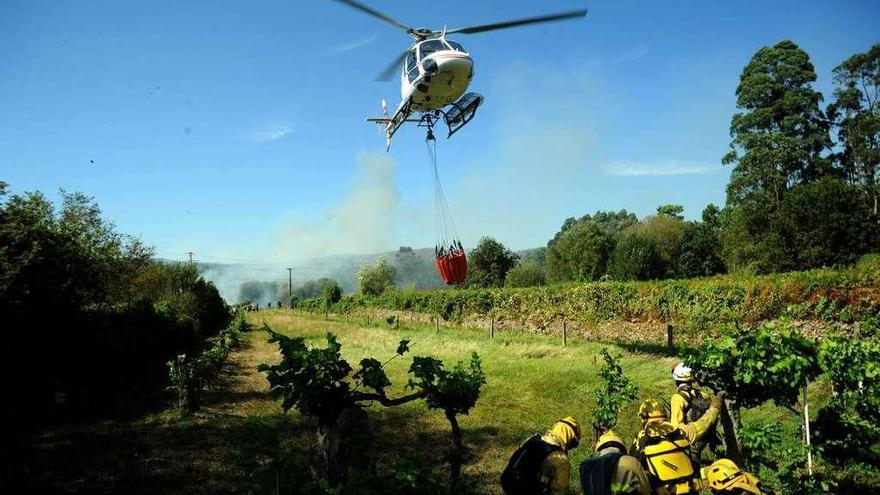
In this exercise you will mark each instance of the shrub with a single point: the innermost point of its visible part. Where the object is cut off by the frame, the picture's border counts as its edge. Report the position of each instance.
(525, 275)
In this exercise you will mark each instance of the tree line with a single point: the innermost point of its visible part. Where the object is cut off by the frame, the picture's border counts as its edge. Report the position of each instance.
(89, 316)
(803, 191)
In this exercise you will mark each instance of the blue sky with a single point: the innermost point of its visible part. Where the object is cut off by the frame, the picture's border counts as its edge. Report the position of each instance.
(235, 129)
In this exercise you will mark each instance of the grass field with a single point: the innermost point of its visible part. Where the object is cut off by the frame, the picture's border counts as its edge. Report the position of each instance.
(239, 439)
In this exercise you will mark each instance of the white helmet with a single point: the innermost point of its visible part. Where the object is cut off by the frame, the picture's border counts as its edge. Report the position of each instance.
(682, 373)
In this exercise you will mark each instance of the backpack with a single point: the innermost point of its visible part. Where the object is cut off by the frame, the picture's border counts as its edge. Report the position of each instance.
(669, 461)
(697, 405)
(596, 473)
(522, 476)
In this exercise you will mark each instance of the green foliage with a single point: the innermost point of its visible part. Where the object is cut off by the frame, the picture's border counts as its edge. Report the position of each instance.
(849, 294)
(849, 426)
(617, 391)
(488, 264)
(332, 293)
(857, 120)
(673, 211)
(772, 362)
(371, 375)
(92, 300)
(636, 257)
(454, 391)
(780, 132)
(827, 223)
(700, 251)
(666, 232)
(317, 382)
(189, 377)
(579, 252)
(525, 275)
(312, 380)
(759, 442)
(375, 280)
(313, 288)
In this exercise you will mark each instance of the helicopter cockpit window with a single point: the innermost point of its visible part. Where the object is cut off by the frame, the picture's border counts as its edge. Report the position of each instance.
(412, 70)
(455, 46)
(430, 47)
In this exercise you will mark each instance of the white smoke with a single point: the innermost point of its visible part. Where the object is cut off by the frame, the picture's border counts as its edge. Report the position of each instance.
(364, 221)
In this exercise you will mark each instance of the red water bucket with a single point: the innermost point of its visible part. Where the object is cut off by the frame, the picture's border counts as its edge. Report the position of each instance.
(452, 267)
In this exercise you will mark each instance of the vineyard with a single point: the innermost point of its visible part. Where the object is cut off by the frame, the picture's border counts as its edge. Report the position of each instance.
(242, 439)
(820, 299)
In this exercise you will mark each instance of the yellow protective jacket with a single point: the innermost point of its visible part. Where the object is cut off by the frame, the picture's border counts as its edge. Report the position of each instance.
(629, 478)
(690, 433)
(556, 468)
(679, 405)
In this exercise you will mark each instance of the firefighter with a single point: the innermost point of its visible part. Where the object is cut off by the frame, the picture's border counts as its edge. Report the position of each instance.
(687, 404)
(726, 478)
(612, 471)
(541, 465)
(665, 449)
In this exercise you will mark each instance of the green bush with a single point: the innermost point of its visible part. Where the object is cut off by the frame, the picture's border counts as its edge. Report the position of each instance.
(848, 294)
(525, 275)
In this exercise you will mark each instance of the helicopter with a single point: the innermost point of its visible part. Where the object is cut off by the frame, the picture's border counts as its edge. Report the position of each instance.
(436, 72)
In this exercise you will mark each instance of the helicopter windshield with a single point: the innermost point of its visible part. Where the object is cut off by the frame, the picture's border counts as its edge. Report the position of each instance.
(455, 46)
(429, 47)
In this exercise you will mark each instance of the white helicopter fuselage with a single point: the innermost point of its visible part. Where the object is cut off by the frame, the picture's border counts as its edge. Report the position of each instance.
(436, 73)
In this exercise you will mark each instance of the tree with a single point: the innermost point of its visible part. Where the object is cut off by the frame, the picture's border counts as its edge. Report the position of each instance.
(673, 211)
(779, 135)
(258, 291)
(332, 293)
(752, 239)
(320, 383)
(488, 263)
(313, 288)
(536, 257)
(579, 252)
(700, 251)
(613, 222)
(856, 116)
(712, 216)
(525, 275)
(827, 223)
(376, 279)
(636, 257)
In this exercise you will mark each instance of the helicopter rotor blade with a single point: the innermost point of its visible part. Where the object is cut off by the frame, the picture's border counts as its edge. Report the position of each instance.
(394, 66)
(375, 13)
(572, 14)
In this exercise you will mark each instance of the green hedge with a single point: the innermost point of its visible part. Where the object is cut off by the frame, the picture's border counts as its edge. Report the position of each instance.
(844, 295)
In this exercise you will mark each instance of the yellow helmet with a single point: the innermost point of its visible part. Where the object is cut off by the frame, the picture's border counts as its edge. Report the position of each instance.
(725, 475)
(567, 430)
(652, 410)
(609, 437)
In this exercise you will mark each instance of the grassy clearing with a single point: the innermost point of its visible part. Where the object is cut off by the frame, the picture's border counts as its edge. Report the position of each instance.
(241, 442)
(531, 381)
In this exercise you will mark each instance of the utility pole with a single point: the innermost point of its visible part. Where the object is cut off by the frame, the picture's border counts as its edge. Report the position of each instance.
(289, 284)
